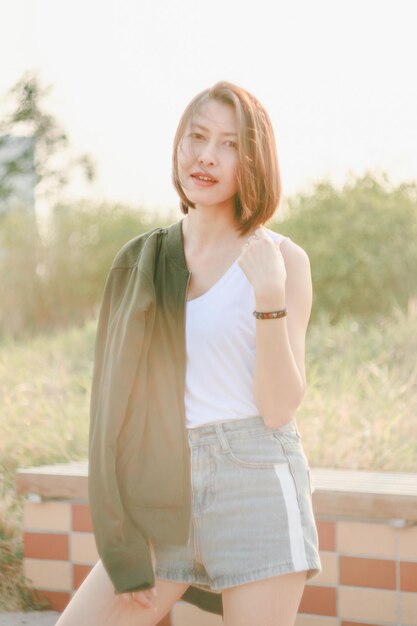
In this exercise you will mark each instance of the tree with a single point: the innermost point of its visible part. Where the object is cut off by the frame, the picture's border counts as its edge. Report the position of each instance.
(34, 153)
(50, 153)
(361, 244)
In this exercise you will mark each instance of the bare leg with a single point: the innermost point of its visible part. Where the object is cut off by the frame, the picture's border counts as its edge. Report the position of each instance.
(270, 602)
(96, 604)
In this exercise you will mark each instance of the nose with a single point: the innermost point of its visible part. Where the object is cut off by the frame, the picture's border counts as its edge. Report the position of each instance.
(207, 154)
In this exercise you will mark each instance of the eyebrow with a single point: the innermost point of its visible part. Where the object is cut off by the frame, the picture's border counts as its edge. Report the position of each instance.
(206, 129)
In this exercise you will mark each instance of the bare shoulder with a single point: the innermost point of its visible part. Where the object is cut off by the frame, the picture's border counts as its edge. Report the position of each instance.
(296, 259)
(298, 285)
(294, 254)
(291, 251)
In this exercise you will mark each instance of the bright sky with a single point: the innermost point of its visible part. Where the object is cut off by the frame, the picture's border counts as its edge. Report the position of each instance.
(336, 77)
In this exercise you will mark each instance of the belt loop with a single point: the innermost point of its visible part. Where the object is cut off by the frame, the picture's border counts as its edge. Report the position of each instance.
(296, 427)
(222, 437)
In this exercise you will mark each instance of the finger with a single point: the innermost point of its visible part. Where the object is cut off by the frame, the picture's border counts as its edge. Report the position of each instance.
(152, 600)
(147, 604)
(251, 239)
(260, 232)
(143, 600)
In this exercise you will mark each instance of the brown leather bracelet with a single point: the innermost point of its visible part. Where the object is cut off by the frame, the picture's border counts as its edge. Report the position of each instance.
(271, 315)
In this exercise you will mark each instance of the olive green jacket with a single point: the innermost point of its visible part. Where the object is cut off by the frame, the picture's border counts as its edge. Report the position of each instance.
(139, 459)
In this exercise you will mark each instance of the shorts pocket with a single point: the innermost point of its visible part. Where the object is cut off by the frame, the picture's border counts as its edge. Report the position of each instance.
(260, 451)
(288, 436)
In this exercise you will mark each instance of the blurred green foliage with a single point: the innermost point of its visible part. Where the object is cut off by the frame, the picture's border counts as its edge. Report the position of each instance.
(58, 279)
(361, 241)
(84, 240)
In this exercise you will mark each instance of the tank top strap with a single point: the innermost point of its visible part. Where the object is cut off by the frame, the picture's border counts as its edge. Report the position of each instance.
(277, 236)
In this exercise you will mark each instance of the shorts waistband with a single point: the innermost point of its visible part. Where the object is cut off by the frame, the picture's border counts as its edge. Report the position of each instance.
(208, 432)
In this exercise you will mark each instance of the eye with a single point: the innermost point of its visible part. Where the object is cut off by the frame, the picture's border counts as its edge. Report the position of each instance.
(233, 144)
(195, 135)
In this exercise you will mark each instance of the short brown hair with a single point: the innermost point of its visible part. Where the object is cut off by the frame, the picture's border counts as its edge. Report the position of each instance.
(258, 175)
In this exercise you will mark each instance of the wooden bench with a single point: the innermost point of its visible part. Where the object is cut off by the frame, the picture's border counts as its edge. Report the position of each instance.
(367, 524)
(354, 493)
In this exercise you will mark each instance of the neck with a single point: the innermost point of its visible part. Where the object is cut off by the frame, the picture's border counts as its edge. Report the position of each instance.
(204, 233)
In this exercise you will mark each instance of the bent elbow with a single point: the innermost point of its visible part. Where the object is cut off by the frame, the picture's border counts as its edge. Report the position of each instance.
(278, 415)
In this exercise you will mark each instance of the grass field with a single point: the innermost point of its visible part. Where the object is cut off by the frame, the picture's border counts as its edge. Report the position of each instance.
(359, 410)
(361, 404)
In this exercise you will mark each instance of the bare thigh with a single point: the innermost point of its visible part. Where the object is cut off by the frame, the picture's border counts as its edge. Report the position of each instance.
(270, 602)
(96, 604)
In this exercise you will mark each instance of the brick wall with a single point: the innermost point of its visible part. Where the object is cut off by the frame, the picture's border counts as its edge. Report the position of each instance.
(369, 568)
(369, 575)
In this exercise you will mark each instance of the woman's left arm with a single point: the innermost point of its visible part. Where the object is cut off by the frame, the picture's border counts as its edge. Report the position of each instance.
(280, 279)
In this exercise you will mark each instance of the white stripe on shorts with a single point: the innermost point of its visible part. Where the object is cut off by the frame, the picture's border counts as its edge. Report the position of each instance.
(295, 528)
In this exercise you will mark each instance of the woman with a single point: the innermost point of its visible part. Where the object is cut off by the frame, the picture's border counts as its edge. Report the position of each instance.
(198, 481)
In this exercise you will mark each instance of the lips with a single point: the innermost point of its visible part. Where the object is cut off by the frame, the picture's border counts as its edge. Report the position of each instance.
(204, 177)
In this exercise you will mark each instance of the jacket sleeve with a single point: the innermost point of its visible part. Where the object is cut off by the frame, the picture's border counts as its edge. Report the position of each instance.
(123, 549)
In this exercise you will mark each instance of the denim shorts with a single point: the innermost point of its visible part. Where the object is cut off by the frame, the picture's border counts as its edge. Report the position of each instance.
(252, 515)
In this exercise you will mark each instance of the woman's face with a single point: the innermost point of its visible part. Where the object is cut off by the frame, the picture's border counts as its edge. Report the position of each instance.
(209, 147)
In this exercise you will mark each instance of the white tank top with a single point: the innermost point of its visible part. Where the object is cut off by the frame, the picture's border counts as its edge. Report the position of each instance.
(220, 347)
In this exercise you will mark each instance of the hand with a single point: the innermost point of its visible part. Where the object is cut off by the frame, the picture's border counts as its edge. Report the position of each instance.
(262, 262)
(144, 598)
